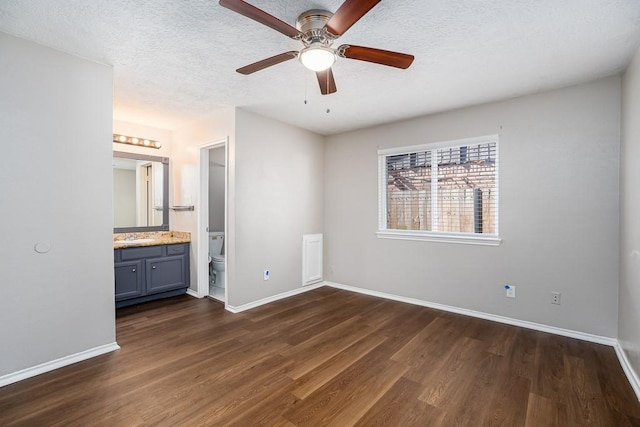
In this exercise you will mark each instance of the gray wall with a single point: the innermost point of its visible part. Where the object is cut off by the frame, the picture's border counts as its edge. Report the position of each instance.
(184, 184)
(56, 185)
(216, 188)
(559, 154)
(629, 306)
(278, 198)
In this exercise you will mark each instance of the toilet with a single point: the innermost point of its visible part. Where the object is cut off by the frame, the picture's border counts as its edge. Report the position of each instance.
(216, 259)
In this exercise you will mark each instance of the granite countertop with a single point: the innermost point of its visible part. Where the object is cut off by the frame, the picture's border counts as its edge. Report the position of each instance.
(149, 238)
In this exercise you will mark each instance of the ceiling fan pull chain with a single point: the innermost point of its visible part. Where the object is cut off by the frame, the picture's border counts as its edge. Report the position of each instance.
(306, 85)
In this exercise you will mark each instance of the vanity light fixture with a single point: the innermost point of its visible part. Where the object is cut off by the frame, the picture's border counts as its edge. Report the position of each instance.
(131, 140)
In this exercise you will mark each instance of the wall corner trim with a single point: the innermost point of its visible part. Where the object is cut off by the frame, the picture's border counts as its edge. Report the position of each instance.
(632, 376)
(57, 363)
(263, 301)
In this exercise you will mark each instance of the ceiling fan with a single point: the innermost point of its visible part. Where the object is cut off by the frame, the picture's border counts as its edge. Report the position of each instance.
(317, 29)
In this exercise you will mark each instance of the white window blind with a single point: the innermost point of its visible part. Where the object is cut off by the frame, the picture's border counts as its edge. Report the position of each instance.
(445, 188)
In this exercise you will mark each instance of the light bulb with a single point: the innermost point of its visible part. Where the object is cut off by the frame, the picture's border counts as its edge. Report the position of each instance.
(136, 141)
(317, 57)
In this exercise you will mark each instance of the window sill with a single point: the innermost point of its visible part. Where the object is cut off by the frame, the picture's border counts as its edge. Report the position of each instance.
(460, 238)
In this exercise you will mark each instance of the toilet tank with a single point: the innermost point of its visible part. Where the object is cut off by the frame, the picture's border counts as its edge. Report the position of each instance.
(216, 239)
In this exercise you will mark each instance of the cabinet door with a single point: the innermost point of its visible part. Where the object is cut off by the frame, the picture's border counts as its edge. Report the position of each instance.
(129, 282)
(166, 274)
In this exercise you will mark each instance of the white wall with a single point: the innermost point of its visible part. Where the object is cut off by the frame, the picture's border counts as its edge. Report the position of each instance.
(629, 304)
(216, 188)
(279, 193)
(56, 185)
(559, 156)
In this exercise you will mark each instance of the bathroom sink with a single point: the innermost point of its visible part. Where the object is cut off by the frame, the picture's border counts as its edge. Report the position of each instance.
(136, 241)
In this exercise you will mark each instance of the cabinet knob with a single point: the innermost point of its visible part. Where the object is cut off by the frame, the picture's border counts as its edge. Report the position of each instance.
(153, 266)
(133, 270)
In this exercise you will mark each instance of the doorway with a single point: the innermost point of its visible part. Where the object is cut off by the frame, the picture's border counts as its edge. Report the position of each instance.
(212, 221)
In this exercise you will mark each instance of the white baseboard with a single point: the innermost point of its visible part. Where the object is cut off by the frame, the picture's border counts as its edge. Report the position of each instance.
(55, 364)
(493, 317)
(193, 293)
(250, 305)
(631, 374)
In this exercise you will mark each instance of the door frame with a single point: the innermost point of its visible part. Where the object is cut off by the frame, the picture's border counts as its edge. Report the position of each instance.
(203, 216)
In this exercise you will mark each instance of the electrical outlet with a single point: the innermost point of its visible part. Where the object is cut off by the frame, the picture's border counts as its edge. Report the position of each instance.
(266, 274)
(555, 298)
(511, 291)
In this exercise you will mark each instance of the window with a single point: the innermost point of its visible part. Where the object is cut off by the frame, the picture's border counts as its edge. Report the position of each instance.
(444, 191)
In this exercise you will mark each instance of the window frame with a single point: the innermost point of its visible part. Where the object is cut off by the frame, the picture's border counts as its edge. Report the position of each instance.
(434, 236)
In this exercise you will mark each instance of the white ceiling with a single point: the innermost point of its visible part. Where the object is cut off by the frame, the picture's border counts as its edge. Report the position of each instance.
(174, 60)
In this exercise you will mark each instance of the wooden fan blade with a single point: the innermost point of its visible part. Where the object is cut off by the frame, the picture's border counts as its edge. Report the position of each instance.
(326, 81)
(259, 15)
(261, 65)
(379, 56)
(348, 14)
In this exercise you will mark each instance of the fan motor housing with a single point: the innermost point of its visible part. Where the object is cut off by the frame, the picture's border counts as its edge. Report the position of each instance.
(312, 23)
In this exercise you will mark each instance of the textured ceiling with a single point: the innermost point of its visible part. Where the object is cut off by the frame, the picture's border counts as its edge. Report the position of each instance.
(174, 60)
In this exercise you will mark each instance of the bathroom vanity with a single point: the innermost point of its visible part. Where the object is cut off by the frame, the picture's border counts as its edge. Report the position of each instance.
(150, 268)
(150, 261)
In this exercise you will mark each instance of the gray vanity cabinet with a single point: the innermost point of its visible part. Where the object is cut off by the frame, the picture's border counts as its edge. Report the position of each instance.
(129, 282)
(150, 272)
(165, 274)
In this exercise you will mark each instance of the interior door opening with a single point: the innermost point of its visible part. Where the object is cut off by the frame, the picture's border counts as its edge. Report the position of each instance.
(216, 221)
(212, 222)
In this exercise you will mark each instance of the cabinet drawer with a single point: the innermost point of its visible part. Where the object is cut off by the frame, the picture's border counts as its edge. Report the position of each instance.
(176, 249)
(143, 252)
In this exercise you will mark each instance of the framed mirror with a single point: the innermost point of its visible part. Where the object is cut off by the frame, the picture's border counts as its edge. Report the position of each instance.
(140, 192)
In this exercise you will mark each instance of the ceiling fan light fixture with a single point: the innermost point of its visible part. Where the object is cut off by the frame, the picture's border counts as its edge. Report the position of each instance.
(317, 30)
(317, 57)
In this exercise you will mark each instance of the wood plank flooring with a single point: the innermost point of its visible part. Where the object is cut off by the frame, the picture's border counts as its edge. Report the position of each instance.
(326, 358)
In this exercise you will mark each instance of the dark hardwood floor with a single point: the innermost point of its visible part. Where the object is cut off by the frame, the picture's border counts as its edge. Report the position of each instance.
(326, 357)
